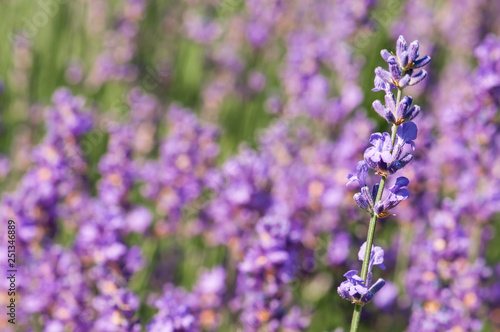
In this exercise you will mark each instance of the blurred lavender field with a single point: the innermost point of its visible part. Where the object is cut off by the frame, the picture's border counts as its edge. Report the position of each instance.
(182, 165)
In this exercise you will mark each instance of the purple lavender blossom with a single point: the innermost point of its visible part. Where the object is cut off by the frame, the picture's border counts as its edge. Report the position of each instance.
(404, 112)
(397, 194)
(379, 155)
(386, 157)
(402, 66)
(361, 174)
(355, 289)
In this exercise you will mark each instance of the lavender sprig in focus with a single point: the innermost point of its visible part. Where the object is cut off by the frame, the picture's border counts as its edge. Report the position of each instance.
(387, 155)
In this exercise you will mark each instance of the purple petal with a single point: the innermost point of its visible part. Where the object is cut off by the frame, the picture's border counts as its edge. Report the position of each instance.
(407, 132)
(418, 78)
(401, 46)
(422, 62)
(413, 51)
(384, 75)
(404, 81)
(390, 101)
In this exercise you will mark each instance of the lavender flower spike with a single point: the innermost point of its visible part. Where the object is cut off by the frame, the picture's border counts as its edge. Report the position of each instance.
(386, 155)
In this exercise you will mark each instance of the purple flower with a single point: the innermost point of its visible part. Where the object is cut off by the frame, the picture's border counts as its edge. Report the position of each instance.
(380, 158)
(364, 199)
(361, 173)
(398, 193)
(381, 85)
(387, 296)
(403, 113)
(355, 290)
(379, 155)
(405, 135)
(376, 256)
(174, 313)
(138, 219)
(338, 249)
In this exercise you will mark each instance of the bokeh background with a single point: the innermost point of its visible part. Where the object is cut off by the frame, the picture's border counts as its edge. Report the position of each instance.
(181, 165)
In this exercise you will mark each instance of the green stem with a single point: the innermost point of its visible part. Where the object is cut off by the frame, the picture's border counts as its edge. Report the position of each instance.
(356, 315)
(371, 231)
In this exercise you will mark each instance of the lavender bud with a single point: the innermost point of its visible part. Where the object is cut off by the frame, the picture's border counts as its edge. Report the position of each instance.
(413, 51)
(422, 62)
(403, 108)
(418, 77)
(390, 102)
(412, 113)
(401, 47)
(405, 81)
(377, 286)
(400, 163)
(403, 60)
(361, 201)
(385, 55)
(395, 70)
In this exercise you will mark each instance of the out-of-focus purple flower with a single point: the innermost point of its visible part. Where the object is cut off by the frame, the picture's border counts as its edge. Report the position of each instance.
(209, 292)
(117, 167)
(4, 167)
(488, 71)
(295, 320)
(256, 81)
(174, 313)
(139, 219)
(387, 296)
(338, 249)
(201, 29)
(211, 285)
(74, 73)
(186, 157)
(263, 298)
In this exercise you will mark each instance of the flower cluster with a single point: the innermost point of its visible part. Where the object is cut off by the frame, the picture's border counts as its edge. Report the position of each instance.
(265, 271)
(186, 159)
(120, 46)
